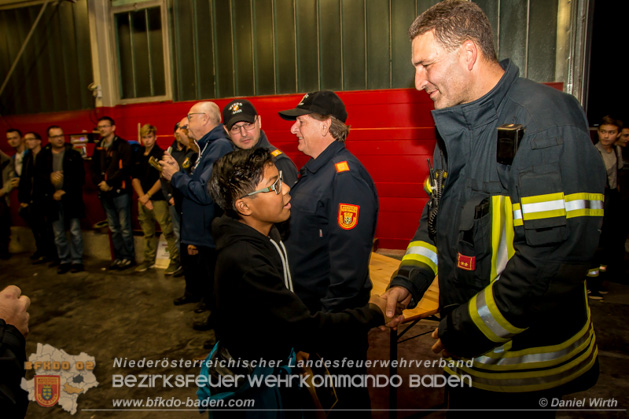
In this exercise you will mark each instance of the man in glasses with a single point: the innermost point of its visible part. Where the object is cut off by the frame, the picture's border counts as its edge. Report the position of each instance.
(111, 173)
(334, 214)
(198, 209)
(244, 126)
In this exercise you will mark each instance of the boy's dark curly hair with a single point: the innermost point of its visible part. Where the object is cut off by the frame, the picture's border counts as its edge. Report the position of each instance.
(235, 175)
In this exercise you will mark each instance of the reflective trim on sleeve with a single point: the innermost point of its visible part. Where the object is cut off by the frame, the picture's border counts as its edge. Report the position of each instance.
(543, 206)
(422, 252)
(557, 205)
(584, 204)
(488, 318)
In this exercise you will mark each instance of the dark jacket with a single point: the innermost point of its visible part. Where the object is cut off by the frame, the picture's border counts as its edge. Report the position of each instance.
(147, 174)
(31, 188)
(257, 317)
(334, 210)
(113, 165)
(13, 400)
(73, 181)
(281, 160)
(513, 242)
(198, 207)
(185, 158)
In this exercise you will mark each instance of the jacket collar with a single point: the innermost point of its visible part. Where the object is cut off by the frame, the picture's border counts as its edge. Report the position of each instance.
(263, 142)
(479, 112)
(313, 165)
(216, 133)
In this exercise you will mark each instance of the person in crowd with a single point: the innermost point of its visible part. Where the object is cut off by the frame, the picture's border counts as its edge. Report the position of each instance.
(244, 127)
(198, 208)
(623, 183)
(111, 173)
(63, 173)
(7, 183)
(609, 257)
(13, 331)
(152, 205)
(32, 201)
(252, 271)
(17, 142)
(512, 230)
(333, 222)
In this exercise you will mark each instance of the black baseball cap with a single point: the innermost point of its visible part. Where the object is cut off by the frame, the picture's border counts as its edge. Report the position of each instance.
(324, 102)
(238, 110)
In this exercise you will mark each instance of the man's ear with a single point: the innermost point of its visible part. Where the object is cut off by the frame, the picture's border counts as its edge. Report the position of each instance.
(226, 131)
(259, 121)
(470, 53)
(242, 208)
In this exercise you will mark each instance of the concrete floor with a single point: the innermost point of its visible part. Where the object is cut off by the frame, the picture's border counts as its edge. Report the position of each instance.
(129, 315)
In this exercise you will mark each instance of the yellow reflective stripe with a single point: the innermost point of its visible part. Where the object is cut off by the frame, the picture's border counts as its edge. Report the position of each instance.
(530, 380)
(543, 206)
(553, 205)
(488, 318)
(502, 234)
(584, 204)
(422, 252)
(538, 357)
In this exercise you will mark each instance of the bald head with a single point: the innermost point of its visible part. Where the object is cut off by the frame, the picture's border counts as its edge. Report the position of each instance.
(203, 118)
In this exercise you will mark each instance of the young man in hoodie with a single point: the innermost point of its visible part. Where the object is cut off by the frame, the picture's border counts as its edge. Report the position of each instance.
(258, 316)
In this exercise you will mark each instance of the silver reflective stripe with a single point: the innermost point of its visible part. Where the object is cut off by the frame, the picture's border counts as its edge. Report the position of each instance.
(557, 204)
(488, 319)
(583, 204)
(535, 357)
(422, 251)
(528, 381)
(517, 214)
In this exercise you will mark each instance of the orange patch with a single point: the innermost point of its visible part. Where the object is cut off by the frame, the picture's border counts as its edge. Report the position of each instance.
(348, 216)
(342, 167)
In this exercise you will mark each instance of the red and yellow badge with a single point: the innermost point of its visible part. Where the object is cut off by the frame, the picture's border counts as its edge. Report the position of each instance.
(47, 390)
(348, 216)
(466, 262)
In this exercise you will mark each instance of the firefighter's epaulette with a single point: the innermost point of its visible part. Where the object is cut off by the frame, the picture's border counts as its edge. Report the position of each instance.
(276, 152)
(341, 166)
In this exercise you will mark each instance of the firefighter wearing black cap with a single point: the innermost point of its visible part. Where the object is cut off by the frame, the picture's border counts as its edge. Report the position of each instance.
(332, 225)
(244, 127)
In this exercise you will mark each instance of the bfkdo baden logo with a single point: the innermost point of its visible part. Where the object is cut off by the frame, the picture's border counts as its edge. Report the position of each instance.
(47, 390)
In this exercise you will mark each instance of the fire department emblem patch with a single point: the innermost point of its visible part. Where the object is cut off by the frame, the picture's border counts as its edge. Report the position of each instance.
(348, 216)
(466, 262)
(47, 390)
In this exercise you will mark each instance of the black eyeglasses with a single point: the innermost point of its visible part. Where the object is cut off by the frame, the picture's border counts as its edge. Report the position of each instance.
(275, 187)
(248, 126)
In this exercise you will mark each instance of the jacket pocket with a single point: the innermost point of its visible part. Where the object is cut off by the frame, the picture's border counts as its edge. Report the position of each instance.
(473, 264)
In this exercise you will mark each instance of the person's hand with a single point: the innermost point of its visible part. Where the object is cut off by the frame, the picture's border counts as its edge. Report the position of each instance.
(192, 250)
(56, 178)
(14, 182)
(149, 205)
(381, 302)
(438, 346)
(103, 186)
(398, 298)
(169, 166)
(14, 308)
(171, 201)
(143, 199)
(58, 194)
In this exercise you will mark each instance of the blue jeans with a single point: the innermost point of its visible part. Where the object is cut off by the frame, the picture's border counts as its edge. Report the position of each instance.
(68, 252)
(118, 211)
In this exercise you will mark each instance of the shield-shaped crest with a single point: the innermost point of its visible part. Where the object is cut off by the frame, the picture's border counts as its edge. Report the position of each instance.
(348, 216)
(47, 390)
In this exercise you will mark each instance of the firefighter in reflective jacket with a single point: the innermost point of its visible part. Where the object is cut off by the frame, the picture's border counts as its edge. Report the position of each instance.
(518, 217)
